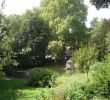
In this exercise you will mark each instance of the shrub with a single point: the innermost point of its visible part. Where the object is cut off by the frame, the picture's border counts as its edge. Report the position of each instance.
(101, 70)
(84, 57)
(41, 77)
(79, 92)
(87, 92)
(101, 76)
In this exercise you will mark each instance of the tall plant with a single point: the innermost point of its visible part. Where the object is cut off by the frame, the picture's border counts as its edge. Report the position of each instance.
(85, 57)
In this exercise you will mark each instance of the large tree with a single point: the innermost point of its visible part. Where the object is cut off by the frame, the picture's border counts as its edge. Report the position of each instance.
(32, 39)
(100, 3)
(5, 40)
(66, 19)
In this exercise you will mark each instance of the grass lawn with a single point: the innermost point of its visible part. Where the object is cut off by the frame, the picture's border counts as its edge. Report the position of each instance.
(17, 89)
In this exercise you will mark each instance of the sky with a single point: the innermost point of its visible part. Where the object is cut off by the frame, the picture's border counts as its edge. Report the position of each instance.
(19, 6)
(93, 12)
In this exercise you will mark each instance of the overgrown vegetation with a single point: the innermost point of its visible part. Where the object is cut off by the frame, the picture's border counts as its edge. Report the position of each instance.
(85, 57)
(99, 88)
(42, 35)
(41, 78)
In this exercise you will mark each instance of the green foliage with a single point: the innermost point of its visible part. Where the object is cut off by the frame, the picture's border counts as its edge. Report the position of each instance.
(24, 38)
(63, 16)
(2, 75)
(101, 70)
(98, 37)
(79, 92)
(41, 77)
(36, 38)
(10, 94)
(11, 89)
(44, 94)
(15, 24)
(6, 41)
(87, 92)
(100, 3)
(84, 57)
(108, 42)
(55, 49)
(101, 76)
(107, 58)
(31, 38)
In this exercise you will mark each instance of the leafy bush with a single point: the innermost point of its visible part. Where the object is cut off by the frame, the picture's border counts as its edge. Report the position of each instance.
(101, 76)
(101, 70)
(41, 77)
(84, 57)
(87, 92)
(78, 92)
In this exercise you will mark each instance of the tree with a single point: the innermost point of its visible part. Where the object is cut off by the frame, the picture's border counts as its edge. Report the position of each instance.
(66, 19)
(15, 24)
(84, 58)
(15, 28)
(106, 26)
(108, 42)
(100, 3)
(6, 53)
(98, 36)
(32, 40)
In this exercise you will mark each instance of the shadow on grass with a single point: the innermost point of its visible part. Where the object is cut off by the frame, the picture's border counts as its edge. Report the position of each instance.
(12, 89)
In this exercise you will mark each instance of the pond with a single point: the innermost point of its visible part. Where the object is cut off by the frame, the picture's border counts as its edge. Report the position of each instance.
(58, 69)
(22, 73)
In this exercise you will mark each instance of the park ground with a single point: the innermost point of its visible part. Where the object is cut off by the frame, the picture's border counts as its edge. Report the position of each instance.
(17, 89)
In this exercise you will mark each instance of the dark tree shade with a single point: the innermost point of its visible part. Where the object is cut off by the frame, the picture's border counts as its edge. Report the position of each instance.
(100, 3)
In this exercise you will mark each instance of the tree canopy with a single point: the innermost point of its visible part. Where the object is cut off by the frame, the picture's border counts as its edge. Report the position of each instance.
(100, 3)
(66, 18)
(31, 37)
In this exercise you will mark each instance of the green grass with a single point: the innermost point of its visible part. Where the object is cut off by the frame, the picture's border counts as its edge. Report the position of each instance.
(66, 81)
(15, 89)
